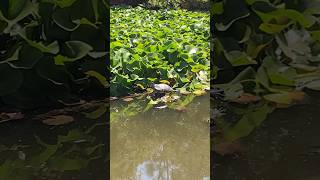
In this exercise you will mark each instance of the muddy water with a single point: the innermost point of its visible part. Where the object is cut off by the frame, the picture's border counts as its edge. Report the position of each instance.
(285, 147)
(31, 150)
(161, 144)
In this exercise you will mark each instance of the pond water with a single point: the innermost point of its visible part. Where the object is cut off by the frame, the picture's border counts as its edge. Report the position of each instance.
(31, 150)
(285, 147)
(161, 144)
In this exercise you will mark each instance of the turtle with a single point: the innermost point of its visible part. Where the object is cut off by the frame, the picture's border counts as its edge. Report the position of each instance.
(162, 87)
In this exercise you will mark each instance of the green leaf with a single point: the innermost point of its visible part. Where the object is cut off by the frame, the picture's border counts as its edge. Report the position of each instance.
(217, 8)
(75, 50)
(15, 7)
(44, 156)
(98, 112)
(250, 120)
(10, 79)
(28, 57)
(273, 28)
(314, 85)
(225, 20)
(61, 3)
(285, 98)
(62, 18)
(238, 58)
(52, 48)
(102, 79)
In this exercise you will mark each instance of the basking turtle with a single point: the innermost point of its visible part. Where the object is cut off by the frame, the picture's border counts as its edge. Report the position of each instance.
(162, 87)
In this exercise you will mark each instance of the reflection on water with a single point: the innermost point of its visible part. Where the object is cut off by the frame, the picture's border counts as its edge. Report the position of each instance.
(285, 147)
(31, 150)
(149, 170)
(161, 144)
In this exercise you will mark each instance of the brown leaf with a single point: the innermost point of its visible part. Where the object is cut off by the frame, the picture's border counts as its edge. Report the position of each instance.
(127, 99)
(113, 98)
(58, 120)
(4, 117)
(246, 98)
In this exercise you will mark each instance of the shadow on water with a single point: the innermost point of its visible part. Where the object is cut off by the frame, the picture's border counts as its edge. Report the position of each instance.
(162, 144)
(31, 150)
(285, 147)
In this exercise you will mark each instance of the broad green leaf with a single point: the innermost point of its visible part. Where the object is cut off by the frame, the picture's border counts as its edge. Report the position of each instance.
(250, 120)
(15, 7)
(217, 8)
(75, 50)
(102, 79)
(238, 58)
(61, 3)
(285, 98)
(100, 111)
(10, 79)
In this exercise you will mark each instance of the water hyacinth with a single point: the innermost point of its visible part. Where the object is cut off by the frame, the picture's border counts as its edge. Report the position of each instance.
(149, 46)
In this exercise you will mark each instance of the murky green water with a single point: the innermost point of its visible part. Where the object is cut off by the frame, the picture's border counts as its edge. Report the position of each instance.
(31, 150)
(161, 144)
(285, 147)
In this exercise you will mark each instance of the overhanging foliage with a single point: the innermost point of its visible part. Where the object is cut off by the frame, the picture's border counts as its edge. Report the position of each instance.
(51, 49)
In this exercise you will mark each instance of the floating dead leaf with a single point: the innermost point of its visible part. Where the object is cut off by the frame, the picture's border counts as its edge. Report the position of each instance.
(181, 109)
(113, 98)
(4, 117)
(127, 99)
(246, 98)
(178, 108)
(58, 120)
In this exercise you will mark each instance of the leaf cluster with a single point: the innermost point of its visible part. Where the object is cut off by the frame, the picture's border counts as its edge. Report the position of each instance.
(51, 49)
(150, 46)
(267, 48)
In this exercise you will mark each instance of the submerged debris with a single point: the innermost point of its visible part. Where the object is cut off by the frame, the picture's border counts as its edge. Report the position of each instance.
(58, 120)
(230, 148)
(215, 112)
(4, 117)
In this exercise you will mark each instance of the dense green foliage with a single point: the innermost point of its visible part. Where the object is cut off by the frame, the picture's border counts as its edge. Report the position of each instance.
(275, 43)
(266, 53)
(150, 46)
(51, 49)
(185, 4)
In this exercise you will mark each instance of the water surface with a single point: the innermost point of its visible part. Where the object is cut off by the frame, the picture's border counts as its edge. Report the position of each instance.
(31, 150)
(162, 144)
(285, 147)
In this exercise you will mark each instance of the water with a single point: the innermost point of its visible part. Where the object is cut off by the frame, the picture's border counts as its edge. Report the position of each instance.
(161, 144)
(285, 147)
(31, 150)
